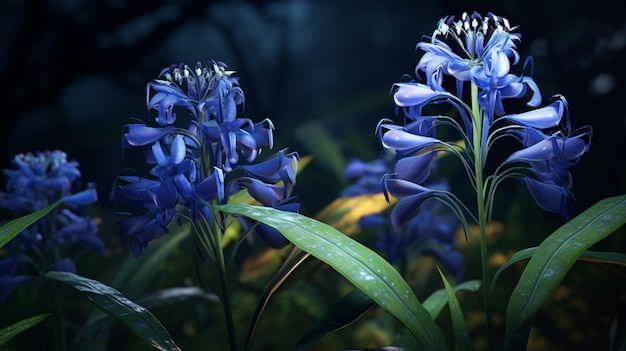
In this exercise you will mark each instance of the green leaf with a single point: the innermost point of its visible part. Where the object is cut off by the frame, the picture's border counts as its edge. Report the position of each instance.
(438, 300)
(553, 259)
(588, 255)
(7, 333)
(293, 261)
(456, 313)
(340, 314)
(138, 319)
(12, 228)
(171, 296)
(358, 264)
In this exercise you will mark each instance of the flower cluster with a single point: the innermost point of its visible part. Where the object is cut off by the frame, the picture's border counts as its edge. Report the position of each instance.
(37, 181)
(479, 53)
(432, 232)
(192, 157)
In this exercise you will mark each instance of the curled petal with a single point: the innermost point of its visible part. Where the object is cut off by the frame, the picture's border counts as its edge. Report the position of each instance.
(138, 190)
(400, 188)
(184, 187)
(545, 117)
(406, 142)
(82, 198)
(414, 168)
(550, 197)
(553, 147)
(280, 167)
(143, 229)
(211, 187)
(411, 94)
(141, 135)
(408, 207)
(179, 150)
(268, 195)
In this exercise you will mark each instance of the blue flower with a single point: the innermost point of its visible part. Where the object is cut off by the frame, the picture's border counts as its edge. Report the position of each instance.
(192, 162)
(37, 181)
(479, 52)
(431, 232)
(485, 52)
(271, 183)
(366, 176)
(549, 158)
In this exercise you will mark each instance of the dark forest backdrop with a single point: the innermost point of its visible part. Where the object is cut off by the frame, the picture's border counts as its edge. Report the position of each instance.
(74, 72)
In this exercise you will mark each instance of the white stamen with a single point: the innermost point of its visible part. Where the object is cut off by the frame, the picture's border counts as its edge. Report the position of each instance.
(506, 23)
(443, 28)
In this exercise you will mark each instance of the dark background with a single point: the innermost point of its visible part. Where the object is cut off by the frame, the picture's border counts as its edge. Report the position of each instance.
(74, 72)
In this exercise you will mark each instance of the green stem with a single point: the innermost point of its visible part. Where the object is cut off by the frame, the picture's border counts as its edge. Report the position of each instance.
(480, 203)
(59, 327)
(223, 276)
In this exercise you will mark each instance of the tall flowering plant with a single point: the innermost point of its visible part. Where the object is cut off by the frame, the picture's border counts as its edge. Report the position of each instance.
(467, 87)
(40, 180)
(479, 54)
(199, 161)
(44, 189)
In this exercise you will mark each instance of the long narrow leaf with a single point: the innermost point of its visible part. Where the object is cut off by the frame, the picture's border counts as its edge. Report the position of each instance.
(12, 228)
(438, 299)
(7, 333)
(588, 255)
(458, 320)
(295, 258)
(340, 314)
(138, 319)
(358, 264)
(553, 259)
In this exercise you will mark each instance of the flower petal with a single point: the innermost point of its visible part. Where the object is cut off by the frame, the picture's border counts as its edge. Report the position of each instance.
(141, 135)
(414, 168)
(550, 197)
(545, 117)
(411, 94)
(407, 142)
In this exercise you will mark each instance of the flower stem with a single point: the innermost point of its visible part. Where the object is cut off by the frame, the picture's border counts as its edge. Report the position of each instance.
(480, 203)
(223, 271)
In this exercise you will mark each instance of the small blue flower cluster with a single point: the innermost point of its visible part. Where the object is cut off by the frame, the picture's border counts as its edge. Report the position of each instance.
(191, 163)
(432, 232)
(37, 181)
(479, 52)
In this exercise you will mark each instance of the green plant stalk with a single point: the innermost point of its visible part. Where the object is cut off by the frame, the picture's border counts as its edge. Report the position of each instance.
(59, 327)
(480, 203)
(225, 296)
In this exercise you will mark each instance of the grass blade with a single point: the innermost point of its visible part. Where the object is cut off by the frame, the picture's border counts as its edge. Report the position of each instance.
(7, 333)
(138, 319)
(12, 228)
(551, 262)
